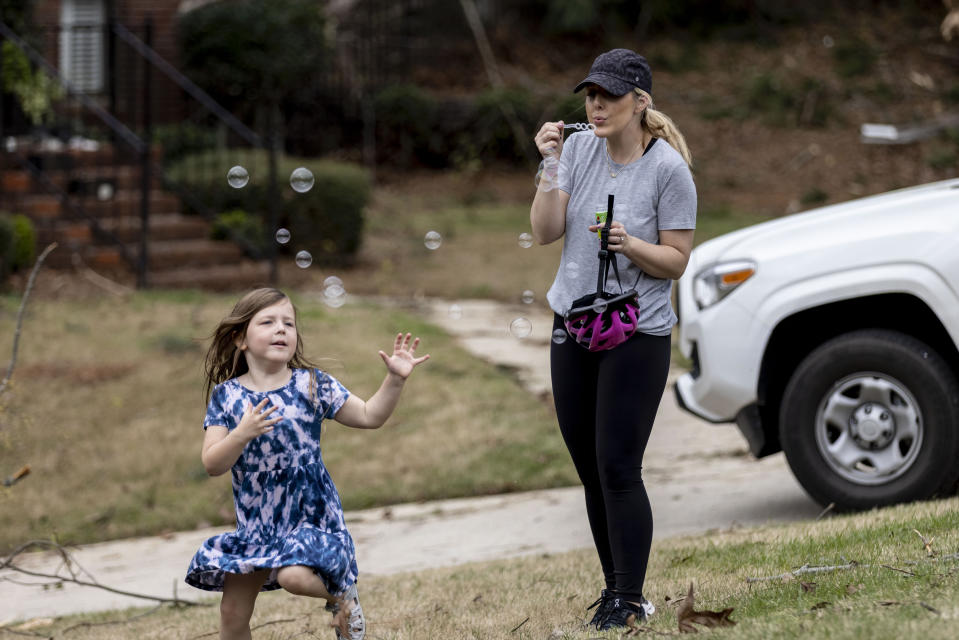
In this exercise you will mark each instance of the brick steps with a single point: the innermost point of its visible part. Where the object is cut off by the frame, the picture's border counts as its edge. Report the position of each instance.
(222, 277)
(84, 180)
(181, 255)
(163, 226)
(124, 203)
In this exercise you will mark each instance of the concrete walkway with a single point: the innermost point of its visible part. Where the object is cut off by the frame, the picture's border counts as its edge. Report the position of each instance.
(699, 477)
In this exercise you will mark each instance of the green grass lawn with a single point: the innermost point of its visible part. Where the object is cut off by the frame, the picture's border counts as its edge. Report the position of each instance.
(893, 587)
(107, 403)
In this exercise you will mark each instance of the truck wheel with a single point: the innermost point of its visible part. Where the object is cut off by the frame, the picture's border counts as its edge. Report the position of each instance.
(871, 418)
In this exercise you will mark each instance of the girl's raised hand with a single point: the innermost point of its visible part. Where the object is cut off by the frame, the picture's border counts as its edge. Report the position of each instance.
(402, 361)
(255, 422)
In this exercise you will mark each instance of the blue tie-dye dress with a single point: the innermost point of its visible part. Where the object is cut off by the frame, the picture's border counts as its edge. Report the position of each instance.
(287, 509)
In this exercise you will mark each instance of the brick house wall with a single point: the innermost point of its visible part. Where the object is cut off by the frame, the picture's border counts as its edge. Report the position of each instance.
(167, 104)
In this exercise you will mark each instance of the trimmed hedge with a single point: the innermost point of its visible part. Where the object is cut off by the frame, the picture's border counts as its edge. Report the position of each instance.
(18, 243)
(327, 220)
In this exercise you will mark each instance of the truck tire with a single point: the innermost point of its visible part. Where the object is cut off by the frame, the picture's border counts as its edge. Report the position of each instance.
(871, 418)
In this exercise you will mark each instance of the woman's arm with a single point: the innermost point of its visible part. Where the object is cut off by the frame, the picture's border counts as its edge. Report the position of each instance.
(667, 259)
(547, 215)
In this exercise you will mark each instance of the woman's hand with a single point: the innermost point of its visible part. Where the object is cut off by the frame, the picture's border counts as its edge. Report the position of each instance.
(402, 362)
(255, 422)
(619, 240)
(549, 139)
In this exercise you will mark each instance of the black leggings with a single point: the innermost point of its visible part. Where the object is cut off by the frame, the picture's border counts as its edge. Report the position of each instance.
(606, 402)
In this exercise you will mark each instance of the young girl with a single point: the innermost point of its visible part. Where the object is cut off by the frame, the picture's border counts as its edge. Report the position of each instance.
(263, 425)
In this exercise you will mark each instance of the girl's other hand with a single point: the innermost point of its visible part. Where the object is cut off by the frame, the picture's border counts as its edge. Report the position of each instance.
(403, 360)
(549, 140)
(255, 422)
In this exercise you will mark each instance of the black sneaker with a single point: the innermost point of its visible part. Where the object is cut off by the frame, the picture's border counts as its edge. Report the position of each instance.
(604, 601)
(618, 614)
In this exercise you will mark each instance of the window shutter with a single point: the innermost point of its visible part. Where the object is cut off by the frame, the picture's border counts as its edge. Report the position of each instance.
(82, 43)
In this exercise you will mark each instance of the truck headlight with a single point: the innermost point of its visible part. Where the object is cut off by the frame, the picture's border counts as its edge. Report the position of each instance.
(716, 281)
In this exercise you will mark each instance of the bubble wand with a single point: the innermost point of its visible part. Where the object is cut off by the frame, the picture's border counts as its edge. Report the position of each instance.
(549, 166)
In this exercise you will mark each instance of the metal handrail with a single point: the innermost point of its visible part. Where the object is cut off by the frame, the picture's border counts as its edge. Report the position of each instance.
(118, 127)
(187, 85)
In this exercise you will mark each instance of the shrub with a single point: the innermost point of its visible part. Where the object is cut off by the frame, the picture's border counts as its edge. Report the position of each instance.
(246, 229)
(18, 240)
(327, 220)
(180, 139)
(406, 125)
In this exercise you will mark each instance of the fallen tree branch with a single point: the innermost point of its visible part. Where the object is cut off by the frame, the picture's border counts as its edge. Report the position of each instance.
(103, 282)
(23, 306)
(71, 566)
(807, 569)
(852, 565)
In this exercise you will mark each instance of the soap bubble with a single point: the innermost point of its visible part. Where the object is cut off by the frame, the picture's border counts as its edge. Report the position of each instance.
(455, 312)
(525, 240)
(334, 291)
(303, 259)
(336, 303)
(282, 236)
(572, 269)
(433, 240)
(334, 295)
(546, 174)
(528, 297)
(332, 280)
(237, 177)
(600, 306)
(301, 179)
(559, 336)
(520, 327)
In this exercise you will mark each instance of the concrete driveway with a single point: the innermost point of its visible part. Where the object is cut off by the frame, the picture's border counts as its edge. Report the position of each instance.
(699, 477)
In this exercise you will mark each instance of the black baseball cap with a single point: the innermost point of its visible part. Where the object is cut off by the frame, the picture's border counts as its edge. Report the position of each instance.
(619, 71)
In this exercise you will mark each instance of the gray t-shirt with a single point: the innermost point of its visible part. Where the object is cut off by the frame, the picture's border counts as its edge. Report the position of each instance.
(652, 193)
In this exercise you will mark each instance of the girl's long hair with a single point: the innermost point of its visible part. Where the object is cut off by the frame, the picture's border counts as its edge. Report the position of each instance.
(224, 360)
(662, 126)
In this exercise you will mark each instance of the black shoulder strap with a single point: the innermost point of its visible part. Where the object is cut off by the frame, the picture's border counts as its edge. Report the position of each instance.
(603, 248)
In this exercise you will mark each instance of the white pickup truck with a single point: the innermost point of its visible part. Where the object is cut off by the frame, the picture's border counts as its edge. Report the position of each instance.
(832, 335)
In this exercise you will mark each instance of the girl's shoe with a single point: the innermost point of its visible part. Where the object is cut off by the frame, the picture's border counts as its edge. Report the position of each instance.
(355, 627)
(618, 614)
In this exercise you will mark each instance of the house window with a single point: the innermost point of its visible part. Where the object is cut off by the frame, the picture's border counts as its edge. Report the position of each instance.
(82, 43)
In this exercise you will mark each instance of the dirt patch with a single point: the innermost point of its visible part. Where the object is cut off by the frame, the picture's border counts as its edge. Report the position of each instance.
(75, 373)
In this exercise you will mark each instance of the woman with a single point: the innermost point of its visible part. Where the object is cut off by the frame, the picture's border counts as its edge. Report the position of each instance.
(606, 401)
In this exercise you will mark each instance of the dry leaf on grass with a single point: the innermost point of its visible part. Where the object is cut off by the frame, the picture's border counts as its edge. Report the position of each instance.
(927, 543)
(687, 615)
(808, 587)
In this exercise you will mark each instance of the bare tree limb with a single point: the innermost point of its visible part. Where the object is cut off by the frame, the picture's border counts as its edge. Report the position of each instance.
(492, 72)
(23, 305)
(71, 567)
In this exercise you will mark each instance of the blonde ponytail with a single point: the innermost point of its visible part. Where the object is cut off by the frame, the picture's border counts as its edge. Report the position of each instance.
(661, 126)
